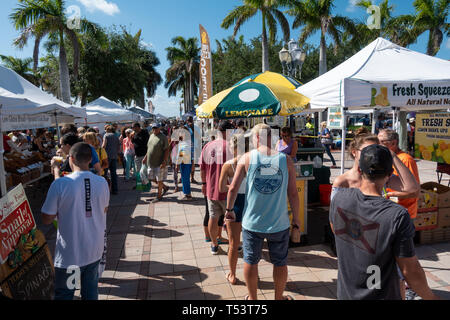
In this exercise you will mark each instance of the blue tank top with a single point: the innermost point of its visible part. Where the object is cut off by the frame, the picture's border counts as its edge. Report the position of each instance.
(266, 208)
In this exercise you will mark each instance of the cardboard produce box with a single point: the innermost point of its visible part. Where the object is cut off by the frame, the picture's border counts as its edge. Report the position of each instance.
(426, 221)
(434, 236)
(444, 218)
(428, 201)
(440, 191)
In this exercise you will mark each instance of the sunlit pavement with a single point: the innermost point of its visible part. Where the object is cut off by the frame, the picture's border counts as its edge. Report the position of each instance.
(158, 252)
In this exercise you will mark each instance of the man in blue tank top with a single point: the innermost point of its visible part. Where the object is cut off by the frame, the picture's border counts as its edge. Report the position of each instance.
(271, 180)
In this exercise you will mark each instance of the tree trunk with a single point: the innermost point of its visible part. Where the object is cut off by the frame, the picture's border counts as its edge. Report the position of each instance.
(64, 72)
(437, 41)
(265, 47)
(323, 56)
(191, 93)
(141, 100)
(83, 98)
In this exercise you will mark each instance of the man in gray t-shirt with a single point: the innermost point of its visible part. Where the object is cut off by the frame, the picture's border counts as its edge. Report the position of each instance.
(373, 235)
(112, 146)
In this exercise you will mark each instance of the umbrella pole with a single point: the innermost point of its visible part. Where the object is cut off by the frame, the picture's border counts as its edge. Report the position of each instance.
(2, 164)
(344, 140)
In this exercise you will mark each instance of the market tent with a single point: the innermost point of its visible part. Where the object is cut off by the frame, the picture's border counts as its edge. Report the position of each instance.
(160, 117)
(383, 75)
(25, 106)
(141, 112)
(104, 110)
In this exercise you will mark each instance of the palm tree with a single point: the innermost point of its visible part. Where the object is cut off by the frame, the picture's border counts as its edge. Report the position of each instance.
(270, 14)
(399, 30)
(20, 66)
(183, 74)
(315, 15)
(431, 15)
(148, 61)
(41, 18)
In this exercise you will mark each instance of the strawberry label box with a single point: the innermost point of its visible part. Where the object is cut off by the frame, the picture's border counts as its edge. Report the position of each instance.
(26, 268)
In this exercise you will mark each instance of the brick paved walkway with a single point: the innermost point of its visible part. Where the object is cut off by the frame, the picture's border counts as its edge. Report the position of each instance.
(157, 252)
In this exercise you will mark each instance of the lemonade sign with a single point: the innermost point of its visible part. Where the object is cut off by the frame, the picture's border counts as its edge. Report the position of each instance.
(433, 137)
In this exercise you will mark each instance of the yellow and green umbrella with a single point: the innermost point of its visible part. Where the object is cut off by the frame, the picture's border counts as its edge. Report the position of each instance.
(251, 99)
(272, 78)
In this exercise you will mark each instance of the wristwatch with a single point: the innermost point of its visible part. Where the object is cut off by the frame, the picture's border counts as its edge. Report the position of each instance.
(230, 210)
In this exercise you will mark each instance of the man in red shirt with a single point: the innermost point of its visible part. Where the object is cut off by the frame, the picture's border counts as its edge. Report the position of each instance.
(6, 146)
(214, 156)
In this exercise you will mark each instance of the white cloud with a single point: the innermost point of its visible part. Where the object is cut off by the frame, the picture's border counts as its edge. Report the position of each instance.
(351, 7)
(104, 6)
(147, 45)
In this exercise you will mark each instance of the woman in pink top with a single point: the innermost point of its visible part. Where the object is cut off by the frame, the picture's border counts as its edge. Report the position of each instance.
(128, 150)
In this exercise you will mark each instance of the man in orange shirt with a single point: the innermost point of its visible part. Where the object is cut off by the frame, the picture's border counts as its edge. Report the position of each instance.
(410, 201)
(389, 139)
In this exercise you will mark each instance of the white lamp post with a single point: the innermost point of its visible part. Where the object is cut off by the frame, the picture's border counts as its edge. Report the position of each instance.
(292, 60)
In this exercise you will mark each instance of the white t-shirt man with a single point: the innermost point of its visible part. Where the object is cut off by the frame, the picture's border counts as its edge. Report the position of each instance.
(79, 201)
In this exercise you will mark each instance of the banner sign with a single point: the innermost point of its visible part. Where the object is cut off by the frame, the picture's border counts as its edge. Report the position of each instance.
(11, 122)
(433, 137)
(411, 94)
(335, 118)
(16, 219)
(206, 87)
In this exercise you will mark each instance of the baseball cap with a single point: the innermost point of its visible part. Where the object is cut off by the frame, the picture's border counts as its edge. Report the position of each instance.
(376, 160)
(156, 126)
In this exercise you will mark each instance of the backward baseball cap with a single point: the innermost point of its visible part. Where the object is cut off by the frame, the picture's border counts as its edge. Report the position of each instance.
(376, 160)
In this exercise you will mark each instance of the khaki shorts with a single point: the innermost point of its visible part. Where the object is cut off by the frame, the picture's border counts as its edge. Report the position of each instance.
(216, 208)
(157, 174)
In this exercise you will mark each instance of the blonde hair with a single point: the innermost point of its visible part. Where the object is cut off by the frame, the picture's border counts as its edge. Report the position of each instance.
(91, 138)
(361, 140)
(323, 124)
(256, 131)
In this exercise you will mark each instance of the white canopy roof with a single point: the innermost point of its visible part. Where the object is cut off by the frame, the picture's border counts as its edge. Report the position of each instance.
(25, 106)
(383, 75)
(104, 110)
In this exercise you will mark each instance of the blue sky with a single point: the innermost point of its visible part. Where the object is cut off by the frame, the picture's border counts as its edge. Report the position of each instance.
(161, 20)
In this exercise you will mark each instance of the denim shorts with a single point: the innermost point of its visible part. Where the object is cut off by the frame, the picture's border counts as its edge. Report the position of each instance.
(239, 207)
(278, 247)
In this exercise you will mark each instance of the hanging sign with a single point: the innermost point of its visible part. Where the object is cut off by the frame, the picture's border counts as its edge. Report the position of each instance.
(11, 122)
(433, 137)
(435, 94)
(335, 118)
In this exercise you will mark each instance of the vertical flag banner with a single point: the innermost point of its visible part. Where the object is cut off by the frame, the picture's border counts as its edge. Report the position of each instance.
(206, 87)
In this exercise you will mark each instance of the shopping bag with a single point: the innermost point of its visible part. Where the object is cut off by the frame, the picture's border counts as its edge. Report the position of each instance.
(142, 181)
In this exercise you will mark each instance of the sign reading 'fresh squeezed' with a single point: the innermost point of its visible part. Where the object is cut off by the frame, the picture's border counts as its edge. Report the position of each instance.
(411, 94)
(433, 137)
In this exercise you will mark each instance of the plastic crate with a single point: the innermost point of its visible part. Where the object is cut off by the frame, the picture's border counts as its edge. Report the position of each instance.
(434, 236)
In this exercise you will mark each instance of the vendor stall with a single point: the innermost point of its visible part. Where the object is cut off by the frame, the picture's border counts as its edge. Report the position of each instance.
(382, 75)
(24, 106)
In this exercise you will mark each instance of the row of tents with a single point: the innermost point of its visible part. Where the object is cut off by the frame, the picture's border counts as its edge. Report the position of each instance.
(25, 106)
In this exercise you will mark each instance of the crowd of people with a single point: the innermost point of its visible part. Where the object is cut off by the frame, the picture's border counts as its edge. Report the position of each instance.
(247, 178)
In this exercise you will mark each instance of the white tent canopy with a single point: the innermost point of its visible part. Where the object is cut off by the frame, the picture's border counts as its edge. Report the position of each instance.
(104, 110)
(383, 75)
(25, 106)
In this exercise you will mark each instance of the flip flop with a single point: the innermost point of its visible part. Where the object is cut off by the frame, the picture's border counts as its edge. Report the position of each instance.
(233, 283)
(289, 298)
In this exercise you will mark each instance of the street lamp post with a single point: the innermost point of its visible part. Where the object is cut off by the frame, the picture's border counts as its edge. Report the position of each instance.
(292, 59)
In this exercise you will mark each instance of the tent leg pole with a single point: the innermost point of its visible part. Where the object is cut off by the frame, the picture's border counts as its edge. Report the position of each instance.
(344, 136)
(57, 127)
(2, 164)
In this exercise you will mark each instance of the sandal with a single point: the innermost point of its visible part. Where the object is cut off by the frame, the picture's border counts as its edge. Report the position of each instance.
(233, 283)
(223, 241)
(288, 298)
(207, 240)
